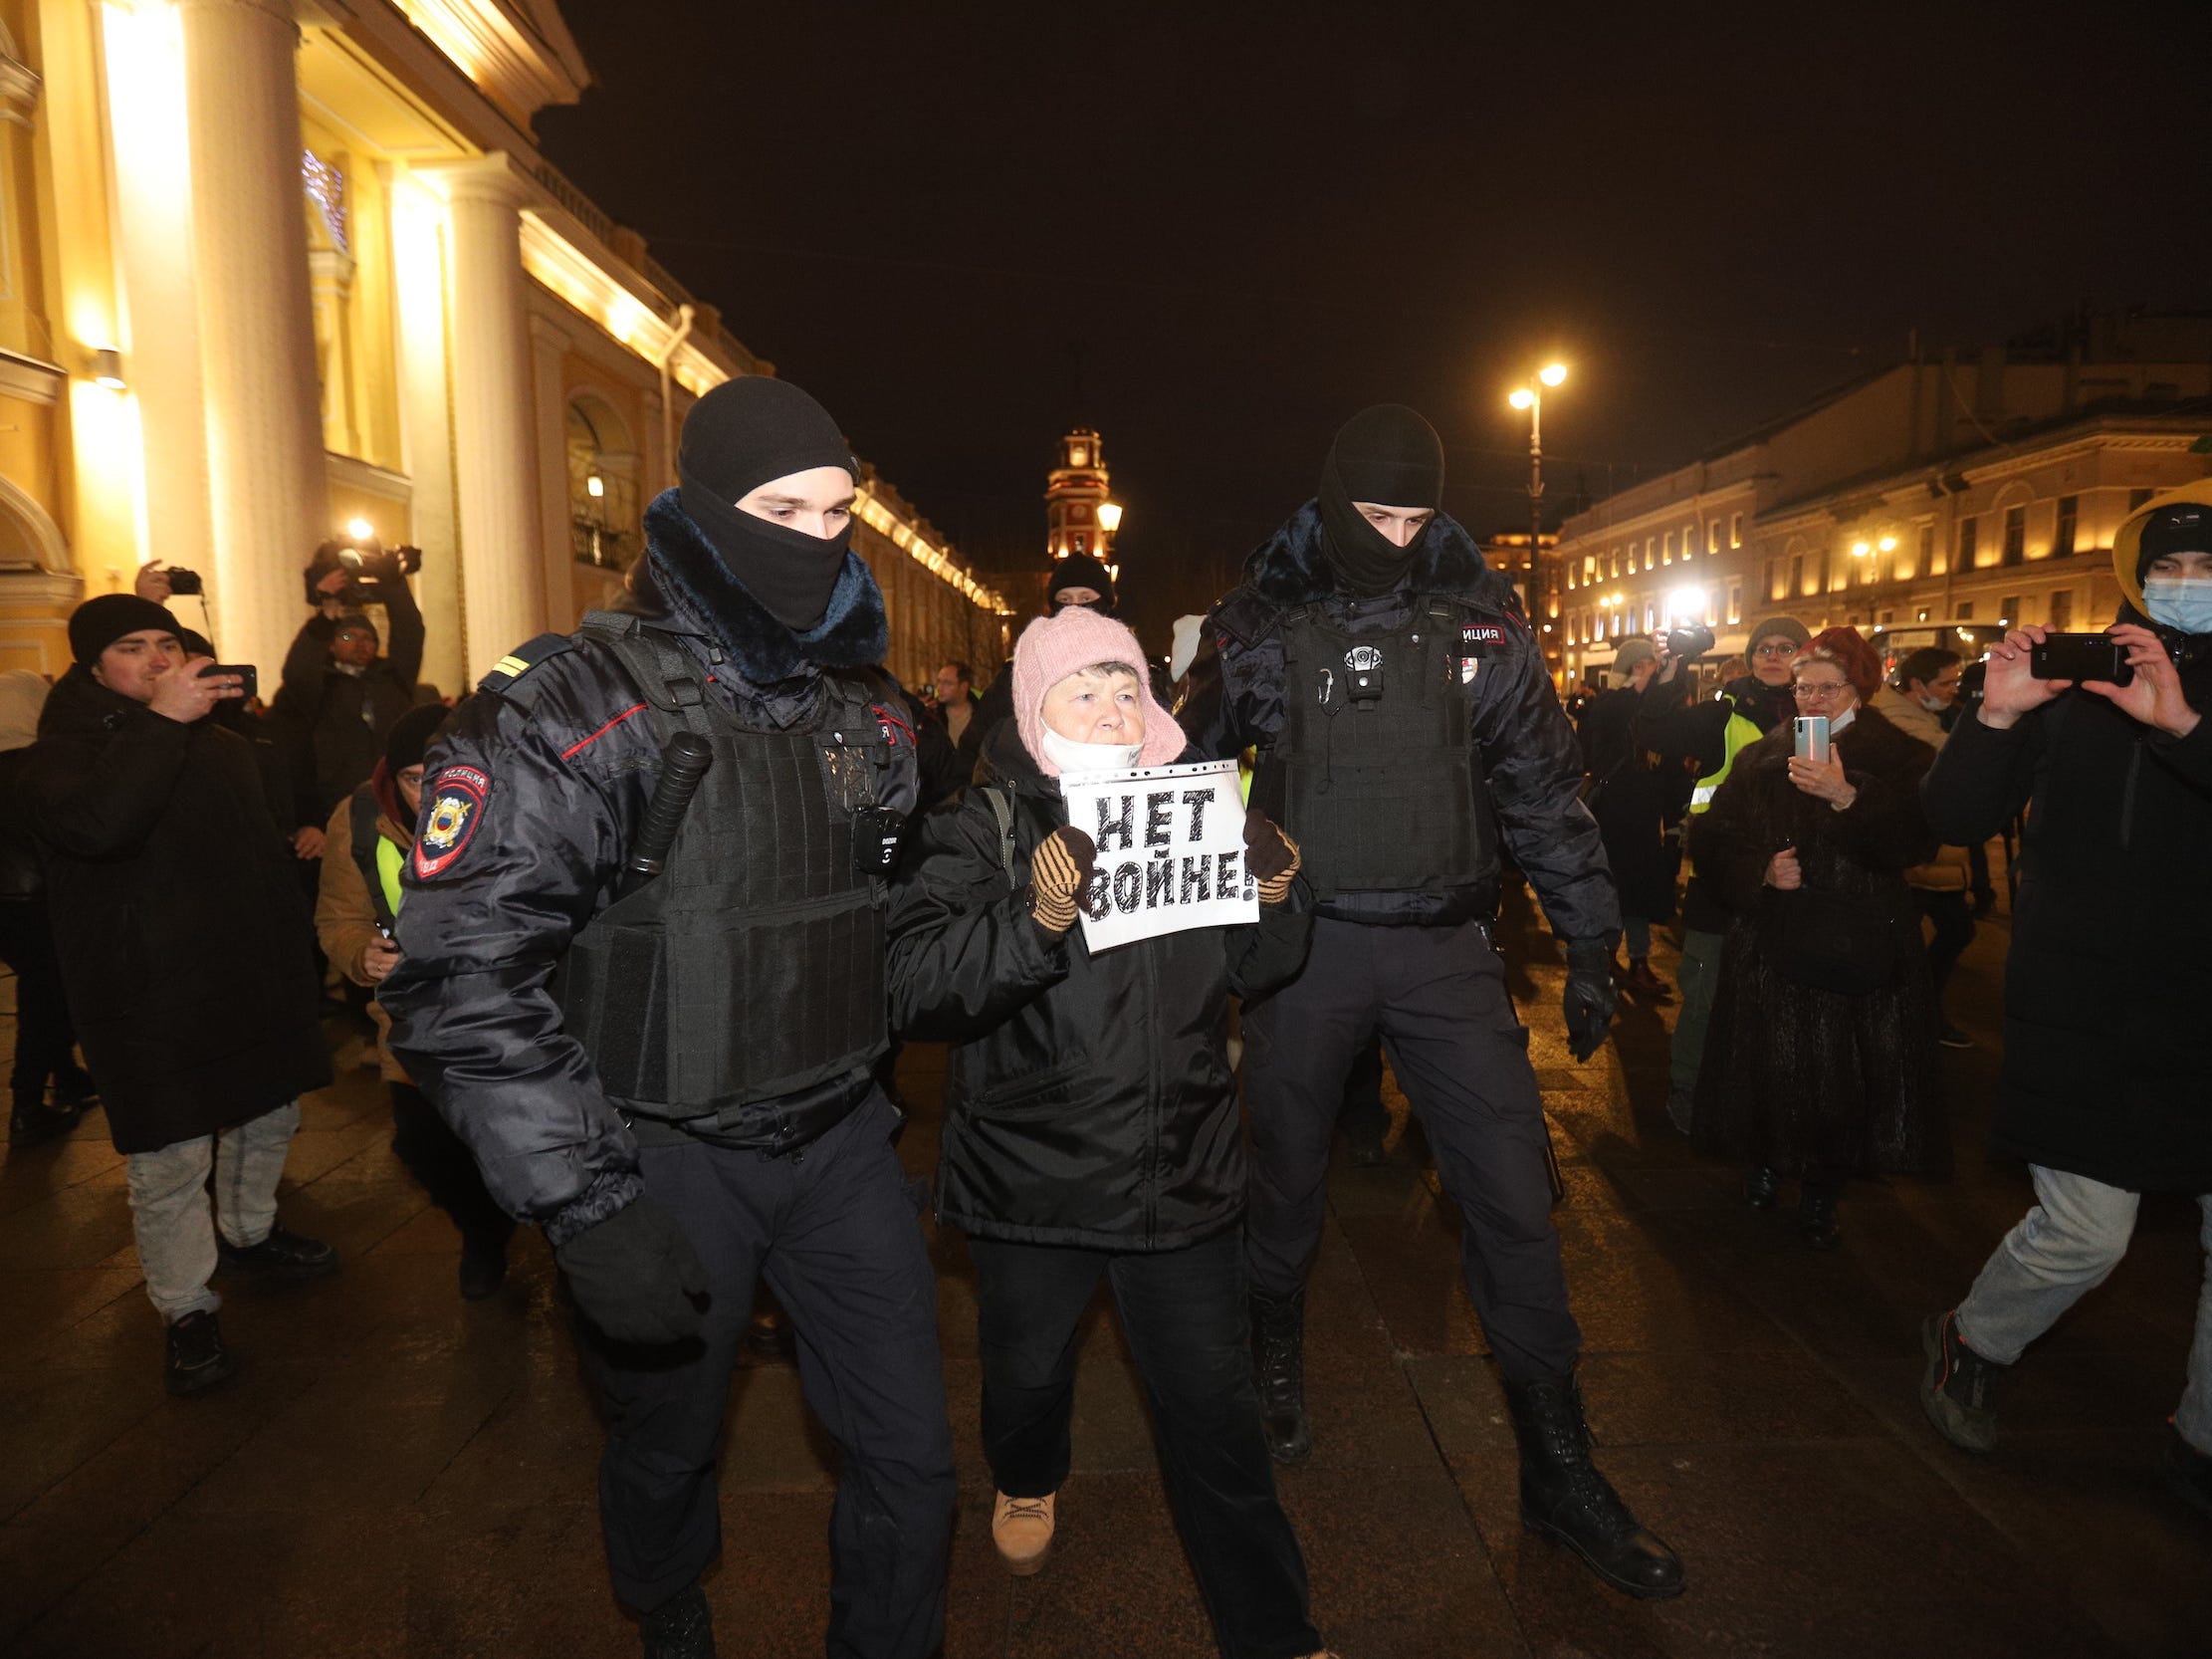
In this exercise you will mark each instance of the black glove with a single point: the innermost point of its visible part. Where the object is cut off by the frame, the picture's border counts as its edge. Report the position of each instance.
(635, 1274)
(1590, 998)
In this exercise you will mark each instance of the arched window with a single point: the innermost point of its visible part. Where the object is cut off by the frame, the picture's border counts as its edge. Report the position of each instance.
(602, 484)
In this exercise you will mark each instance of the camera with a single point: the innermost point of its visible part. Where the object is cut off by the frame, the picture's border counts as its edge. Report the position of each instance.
(1691, 643)
(182, 581)
(369, 568)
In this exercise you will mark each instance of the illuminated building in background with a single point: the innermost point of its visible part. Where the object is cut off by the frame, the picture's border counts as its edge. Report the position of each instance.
(269, 266)
(1978, 486)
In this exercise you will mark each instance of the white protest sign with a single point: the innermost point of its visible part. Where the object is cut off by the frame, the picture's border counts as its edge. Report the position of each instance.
(1170, 850)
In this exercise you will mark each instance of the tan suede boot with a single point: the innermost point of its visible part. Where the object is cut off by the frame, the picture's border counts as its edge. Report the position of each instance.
(1021, 1528)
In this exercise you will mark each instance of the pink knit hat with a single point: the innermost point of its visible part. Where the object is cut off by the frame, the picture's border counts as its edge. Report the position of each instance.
(1053, 647)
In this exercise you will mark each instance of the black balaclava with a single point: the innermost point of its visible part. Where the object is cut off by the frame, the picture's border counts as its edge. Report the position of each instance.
(1080, 570)
(1389, 456)
(740, 435)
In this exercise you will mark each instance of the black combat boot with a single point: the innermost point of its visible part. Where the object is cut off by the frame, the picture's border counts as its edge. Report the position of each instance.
(1566, 1500)
(1280, 1371)
(682, 1627)
(30, 1121)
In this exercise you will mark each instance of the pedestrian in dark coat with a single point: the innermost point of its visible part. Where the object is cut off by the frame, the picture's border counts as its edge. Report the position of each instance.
(1821, 1062)
(1629, 801)
(1092, 1126)
(341, 697)
(185, 949)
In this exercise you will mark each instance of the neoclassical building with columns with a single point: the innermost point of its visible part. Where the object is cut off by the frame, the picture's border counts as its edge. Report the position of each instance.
(268, 267)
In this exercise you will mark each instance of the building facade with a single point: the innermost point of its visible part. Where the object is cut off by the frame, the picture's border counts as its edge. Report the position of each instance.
(271, 266)
(1981, 488)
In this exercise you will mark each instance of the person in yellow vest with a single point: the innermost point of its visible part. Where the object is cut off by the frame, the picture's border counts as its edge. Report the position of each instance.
(363, 851)
(1678, 727)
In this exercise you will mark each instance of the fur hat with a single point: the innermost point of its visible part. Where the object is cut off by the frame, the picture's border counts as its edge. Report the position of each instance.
(1053, 647)
(1848, 651)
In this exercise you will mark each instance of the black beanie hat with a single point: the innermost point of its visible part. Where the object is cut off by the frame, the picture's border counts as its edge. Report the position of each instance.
(409, 738)
(1389, 456)
(1080, 570)
(2184, 527)
(99, 624)
(748, 431)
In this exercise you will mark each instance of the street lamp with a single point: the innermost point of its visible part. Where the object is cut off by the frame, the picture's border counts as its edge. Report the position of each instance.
(1531, 398)
(1109, 516)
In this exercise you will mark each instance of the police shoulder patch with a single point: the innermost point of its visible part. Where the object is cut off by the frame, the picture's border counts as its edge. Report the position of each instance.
(453, 808)
(523, 658)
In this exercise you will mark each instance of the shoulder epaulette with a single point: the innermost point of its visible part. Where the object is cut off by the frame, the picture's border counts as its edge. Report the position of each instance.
(523, 658)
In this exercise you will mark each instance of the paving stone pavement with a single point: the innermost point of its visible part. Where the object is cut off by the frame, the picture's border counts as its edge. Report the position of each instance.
(398, 1473)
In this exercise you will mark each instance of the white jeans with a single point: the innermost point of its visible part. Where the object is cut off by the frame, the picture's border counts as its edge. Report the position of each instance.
(2062, 1248)
(173, 1220)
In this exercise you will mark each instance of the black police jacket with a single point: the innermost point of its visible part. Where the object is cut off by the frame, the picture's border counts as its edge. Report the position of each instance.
(550, 771)
(1524, 749)
(1089, 1100)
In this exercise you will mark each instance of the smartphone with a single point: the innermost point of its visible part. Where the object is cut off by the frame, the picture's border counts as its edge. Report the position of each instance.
(2080, 657)
(248, 679)
(1812, 738)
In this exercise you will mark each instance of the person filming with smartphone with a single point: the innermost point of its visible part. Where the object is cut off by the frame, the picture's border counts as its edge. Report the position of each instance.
(2107, 1045)
(186, 953)
(1821, 1062)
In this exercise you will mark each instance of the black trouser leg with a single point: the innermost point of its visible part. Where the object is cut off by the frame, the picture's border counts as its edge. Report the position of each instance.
(1299, 1046)
(850, 1267)
(1029, 1302)
(1182, 1311)
(1364, 1115)
(1952, 918)
(438, 1158)
(45, 1039)
(1462, 1056)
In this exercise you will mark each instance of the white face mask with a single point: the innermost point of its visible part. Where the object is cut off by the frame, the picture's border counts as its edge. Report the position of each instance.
(1076, 759)
(1935, 705)
(2183, 603)
(1837, 721)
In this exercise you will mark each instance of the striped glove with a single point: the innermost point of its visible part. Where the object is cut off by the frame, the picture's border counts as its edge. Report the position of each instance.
(1058, 870)
(1270, 855)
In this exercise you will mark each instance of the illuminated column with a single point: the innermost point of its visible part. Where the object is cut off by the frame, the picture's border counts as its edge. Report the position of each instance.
(267, 491)
(494, 440)
(549, 411)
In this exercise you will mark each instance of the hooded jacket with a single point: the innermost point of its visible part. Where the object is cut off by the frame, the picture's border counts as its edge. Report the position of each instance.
(1523, 748)
(1089, 1100)
(566, 748)
(2107, 1048)
(183, 936)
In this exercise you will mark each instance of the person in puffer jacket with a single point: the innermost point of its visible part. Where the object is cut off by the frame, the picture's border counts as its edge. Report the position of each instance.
(1092, 1126)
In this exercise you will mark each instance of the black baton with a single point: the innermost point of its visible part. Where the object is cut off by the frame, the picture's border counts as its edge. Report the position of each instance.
(683, 764)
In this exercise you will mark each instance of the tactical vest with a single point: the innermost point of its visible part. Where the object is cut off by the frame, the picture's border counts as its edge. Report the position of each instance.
(751, 966)
(1371, 773)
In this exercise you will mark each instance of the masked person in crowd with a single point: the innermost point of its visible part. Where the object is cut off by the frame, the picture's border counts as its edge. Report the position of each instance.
(1629, 805)
(2107, 1045)
(357, 915)
(1822, 1061)
(187, 953)
(673, 1076)
(1086, 584)
(1092, 1124)
(1404, 727)
(1915, 700)
(1709, 735)
(341, 695)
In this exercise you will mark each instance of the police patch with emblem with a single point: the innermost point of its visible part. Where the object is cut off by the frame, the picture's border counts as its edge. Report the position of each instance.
(1476, 641)
(456, 798)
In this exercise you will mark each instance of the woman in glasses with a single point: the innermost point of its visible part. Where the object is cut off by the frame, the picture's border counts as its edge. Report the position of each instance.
(1822, 1061)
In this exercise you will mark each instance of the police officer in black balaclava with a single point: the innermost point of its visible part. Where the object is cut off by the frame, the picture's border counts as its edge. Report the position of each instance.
(673, 1073)
(1405, 729)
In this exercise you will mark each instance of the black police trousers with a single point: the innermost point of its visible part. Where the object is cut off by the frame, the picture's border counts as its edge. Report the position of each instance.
(837, 1233)
(1438, 997)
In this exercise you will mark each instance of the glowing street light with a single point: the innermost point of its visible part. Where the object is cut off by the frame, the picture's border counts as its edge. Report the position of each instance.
(1531, 398)
(1553, 374)
(1109, 516)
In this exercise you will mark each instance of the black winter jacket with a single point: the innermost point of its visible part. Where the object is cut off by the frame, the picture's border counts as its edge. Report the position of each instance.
(1524, 749)
(2108, 1067)
(571, 756)
(1681, 729)
(1089, 1100)
(185, 943)
(1629, 800)
(338, 721)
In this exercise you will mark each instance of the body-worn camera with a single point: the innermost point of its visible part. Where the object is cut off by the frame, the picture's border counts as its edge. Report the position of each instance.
(1691, 643)
(2080, 657)
(369, 568)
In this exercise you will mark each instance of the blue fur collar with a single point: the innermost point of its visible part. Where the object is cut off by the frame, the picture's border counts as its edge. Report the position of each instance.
(683, 566)
(1290, 567)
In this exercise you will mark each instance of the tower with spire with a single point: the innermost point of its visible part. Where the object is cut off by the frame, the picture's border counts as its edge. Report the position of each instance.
(1077, 515)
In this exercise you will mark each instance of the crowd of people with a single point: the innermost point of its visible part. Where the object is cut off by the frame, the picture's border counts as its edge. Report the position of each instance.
(638, 922)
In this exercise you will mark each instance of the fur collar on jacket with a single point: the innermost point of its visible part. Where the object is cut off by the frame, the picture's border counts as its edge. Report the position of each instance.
(1291, 567)
(681, 573)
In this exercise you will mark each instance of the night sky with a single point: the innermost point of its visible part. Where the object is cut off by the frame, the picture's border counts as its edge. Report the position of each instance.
(1215, 231)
